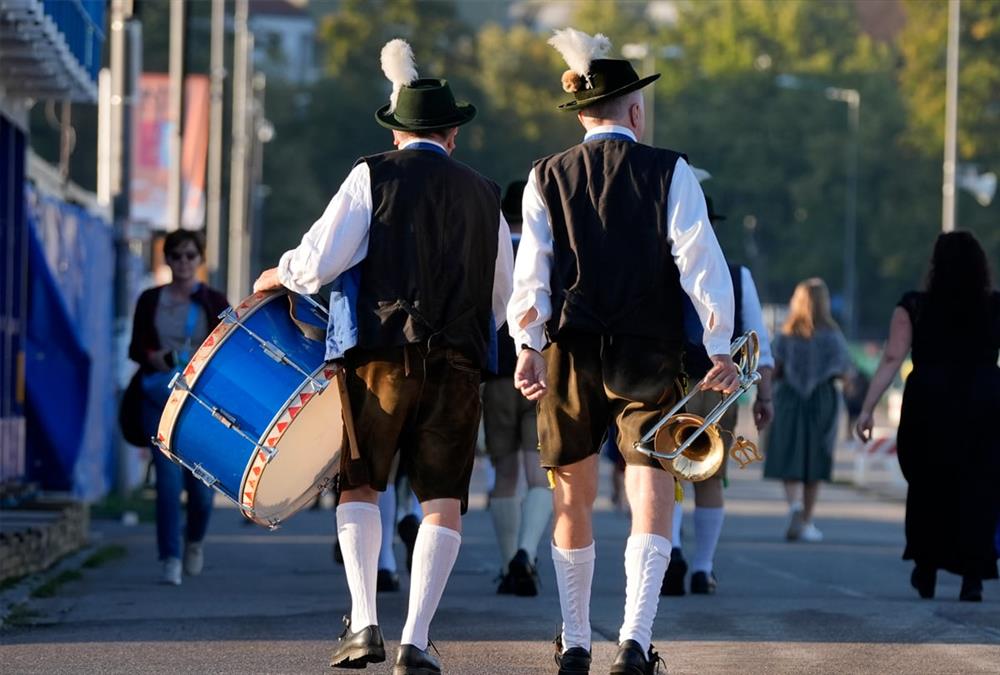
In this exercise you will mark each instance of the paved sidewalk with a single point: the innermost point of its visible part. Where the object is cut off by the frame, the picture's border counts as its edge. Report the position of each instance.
(272, 601)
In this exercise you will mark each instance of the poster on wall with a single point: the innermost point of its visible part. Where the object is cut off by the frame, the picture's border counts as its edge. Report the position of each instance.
(151, 154)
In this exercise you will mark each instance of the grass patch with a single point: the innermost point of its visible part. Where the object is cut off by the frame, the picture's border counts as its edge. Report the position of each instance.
(21, 615)
(141, 502)
(105, 555)
(52, 586)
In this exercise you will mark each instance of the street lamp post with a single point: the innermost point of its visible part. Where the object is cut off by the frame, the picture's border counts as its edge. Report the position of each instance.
(853, 100)
(642, 51)
(852, 97)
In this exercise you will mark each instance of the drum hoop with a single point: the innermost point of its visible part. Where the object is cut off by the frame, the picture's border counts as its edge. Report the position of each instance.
(325, 374)
(196, 366)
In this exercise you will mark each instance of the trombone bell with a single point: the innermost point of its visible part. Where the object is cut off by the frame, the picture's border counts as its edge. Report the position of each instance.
(700, 459)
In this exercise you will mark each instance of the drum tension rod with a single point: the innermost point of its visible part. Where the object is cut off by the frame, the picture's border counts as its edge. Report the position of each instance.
(230, 316)
(228, 420)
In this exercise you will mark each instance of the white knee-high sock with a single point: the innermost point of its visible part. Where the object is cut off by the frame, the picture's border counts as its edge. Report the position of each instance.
(707, 528)
(646, 560)
(359, 530)
(387, 509)
(506, 513)
(434, 555)
(675, 534)
(536, 511)
(574, 576)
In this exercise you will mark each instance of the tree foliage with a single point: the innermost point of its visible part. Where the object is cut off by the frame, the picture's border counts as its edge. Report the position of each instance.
(778, 156)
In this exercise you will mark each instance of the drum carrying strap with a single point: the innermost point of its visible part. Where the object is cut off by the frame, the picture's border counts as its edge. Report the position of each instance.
(312, 332)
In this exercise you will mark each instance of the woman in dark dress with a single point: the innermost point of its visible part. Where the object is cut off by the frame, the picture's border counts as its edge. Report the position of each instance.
(949, 448)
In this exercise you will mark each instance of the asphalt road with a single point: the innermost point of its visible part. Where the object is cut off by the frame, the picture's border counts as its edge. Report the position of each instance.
(271, 602)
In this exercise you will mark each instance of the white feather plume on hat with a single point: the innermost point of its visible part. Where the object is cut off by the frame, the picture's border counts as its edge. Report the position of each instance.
(578, 49)
(399, 66)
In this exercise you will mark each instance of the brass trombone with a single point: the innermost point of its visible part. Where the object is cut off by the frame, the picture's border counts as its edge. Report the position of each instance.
(691, 447)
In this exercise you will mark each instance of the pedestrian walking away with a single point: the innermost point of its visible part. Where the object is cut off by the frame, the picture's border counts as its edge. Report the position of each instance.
(169, 322)
(596, 313)
(420, 258)
(709, 509)
(952, 331)
(511, 430)
(809, 353)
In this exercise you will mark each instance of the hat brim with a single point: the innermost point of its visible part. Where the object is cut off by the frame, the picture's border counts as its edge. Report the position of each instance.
(575, 105)
(464, 112)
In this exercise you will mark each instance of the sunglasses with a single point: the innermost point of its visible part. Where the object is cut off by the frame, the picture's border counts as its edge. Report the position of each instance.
(176, 257)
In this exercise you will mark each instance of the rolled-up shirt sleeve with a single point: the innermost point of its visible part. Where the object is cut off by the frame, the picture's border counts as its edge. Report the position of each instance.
(336, 242)
(532, 272)
(503, 274)
(753, 317)
(704, 274)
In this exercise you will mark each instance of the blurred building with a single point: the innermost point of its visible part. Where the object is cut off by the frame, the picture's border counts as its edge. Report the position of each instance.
(284, 40)
(56, 258)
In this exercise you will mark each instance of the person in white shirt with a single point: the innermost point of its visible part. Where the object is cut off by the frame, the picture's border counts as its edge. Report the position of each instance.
(709, 510)
(421, 257)
(615, 235)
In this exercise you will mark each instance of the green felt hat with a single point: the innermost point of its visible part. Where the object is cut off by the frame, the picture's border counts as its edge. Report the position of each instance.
(606, 79)
(426, 104)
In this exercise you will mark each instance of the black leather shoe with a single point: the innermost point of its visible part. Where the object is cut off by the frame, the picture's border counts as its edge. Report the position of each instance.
(631, 661)
(408, 528)
(972, 589)
(413, 661)
(573, 661)
(673, 580)
(506, 585)
(357, 650)
(703, 583)
(924, 579)
(387, 581)
(524, 576)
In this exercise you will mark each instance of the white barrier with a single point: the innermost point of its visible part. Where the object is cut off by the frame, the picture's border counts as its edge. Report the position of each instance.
(879, 454)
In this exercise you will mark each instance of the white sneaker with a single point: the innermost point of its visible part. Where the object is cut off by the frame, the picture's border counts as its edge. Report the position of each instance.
(795, 523)
(171, 572)
(811, 533)
(194, 558)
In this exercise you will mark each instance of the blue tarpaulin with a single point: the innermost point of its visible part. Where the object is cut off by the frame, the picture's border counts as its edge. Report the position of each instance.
(69, 348)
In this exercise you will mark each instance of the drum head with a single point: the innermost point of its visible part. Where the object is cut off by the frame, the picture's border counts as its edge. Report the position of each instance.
(307, 459)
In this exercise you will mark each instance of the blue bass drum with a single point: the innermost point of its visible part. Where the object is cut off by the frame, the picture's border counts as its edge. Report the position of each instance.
(258, 414)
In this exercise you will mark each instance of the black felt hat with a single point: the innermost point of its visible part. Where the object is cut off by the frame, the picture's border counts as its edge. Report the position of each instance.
(426, 104)
(606, 79)
(712, 215)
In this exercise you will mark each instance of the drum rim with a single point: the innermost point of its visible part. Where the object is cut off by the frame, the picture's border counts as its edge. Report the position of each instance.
(325, 374)
(194, 369)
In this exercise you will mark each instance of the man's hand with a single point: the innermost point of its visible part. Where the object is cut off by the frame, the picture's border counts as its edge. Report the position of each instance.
(267, 281)
(530, 374)
(763, 413)
(723, 376)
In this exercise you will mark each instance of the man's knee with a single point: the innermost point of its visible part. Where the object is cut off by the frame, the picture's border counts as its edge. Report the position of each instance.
(364, 493)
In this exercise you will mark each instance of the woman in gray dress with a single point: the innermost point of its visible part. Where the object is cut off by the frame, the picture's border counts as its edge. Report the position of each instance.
(809, 353)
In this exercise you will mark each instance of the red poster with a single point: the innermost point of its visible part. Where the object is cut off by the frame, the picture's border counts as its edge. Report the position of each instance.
(151, 156)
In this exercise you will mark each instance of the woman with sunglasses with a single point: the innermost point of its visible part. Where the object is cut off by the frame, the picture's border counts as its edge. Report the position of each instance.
(170, 322)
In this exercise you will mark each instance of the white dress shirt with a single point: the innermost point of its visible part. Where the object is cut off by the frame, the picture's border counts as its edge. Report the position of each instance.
(339, 240)
(704, 275)
(753, 318)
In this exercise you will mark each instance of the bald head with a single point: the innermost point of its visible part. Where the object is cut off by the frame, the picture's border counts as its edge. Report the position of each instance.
(624, 111)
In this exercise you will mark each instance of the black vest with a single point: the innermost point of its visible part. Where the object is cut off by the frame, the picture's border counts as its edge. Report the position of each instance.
(696, 360)
(432, 248)
(613, 272)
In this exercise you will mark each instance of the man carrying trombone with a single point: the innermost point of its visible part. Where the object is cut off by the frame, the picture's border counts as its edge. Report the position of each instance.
(615, 233)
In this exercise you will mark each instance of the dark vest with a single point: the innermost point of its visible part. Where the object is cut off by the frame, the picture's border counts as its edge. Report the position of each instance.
(432, 248)
(612, 269)
(696, 360)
